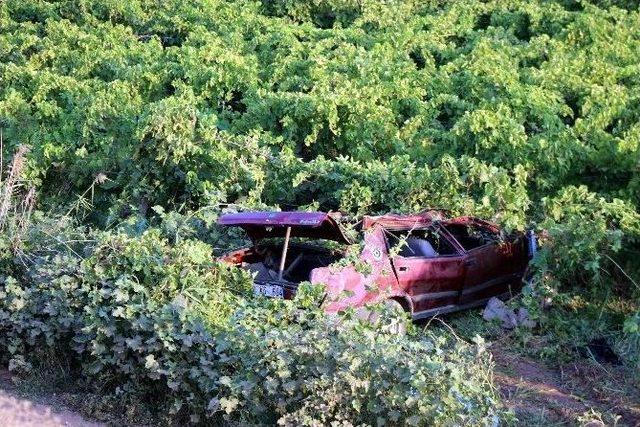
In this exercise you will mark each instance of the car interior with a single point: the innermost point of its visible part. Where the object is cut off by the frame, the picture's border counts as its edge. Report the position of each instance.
(424, 243)
(471, 236)
(301, 259)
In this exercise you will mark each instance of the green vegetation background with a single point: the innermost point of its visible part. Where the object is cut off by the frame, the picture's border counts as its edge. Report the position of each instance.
(359, 105)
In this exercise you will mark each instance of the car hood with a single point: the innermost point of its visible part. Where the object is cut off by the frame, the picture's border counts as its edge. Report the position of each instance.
(260, 225)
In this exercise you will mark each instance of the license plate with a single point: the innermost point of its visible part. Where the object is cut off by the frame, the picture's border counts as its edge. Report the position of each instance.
(271, 291)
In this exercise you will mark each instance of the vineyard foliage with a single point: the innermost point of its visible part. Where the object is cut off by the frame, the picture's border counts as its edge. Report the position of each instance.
(518, 111)
(482, 106)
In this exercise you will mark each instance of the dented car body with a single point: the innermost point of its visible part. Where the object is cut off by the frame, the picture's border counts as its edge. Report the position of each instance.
(429, 264)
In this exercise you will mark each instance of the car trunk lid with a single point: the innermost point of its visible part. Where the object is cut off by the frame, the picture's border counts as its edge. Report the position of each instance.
(261, 225)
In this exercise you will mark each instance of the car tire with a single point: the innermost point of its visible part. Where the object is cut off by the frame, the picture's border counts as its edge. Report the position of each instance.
(396, 324)
(528, 278)
(399, 324)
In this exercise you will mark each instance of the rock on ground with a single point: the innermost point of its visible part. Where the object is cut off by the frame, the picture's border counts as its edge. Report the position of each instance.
(496, 309)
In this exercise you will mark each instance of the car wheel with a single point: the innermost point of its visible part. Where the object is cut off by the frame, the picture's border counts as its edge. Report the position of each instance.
(392, 319)
(528, 278)
(398, 325)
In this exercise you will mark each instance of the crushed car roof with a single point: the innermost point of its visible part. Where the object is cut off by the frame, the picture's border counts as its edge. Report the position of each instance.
(395, 221)
(323, 225)
(260, 225)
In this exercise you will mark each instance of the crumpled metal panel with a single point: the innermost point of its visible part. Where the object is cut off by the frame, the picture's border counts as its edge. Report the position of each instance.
(393, 221)
(350, 288)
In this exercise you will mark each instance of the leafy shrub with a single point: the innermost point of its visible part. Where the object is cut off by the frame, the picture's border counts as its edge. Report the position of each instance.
(137, 315)
(583, 232)
(304, 368)
(630, 344)
(204, 102)
(578, 289)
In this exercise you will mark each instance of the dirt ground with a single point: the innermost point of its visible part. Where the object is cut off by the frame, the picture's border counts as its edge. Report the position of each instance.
(31, 411)
(580, 393)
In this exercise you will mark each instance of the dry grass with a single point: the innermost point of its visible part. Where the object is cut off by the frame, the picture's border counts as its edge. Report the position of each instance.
(16, 202)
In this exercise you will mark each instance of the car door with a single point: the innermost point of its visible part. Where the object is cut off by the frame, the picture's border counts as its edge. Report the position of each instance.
(483, 278)
(431, 282)
(488, 264)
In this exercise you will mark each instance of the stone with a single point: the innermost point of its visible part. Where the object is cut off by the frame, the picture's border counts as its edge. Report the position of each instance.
(496, 309)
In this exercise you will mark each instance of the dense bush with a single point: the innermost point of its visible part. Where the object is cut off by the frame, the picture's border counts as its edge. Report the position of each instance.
(136, 315)
(318, 370)
(207, 101)
(584, 232)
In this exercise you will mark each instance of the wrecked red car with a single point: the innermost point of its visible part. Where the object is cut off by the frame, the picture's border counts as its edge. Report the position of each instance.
(426, 263)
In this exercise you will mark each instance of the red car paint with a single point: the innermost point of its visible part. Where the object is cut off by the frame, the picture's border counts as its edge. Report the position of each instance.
(463, 273)
(260, 225)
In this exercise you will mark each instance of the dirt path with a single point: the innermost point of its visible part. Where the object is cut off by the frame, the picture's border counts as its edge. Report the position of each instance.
(17, 410)
(569, 395)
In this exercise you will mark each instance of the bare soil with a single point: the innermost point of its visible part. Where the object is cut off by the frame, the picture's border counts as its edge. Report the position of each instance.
(578, 393)
(18, 409)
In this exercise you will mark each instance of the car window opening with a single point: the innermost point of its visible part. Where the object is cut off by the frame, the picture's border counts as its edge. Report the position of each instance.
(426, 243)
(471, 236)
